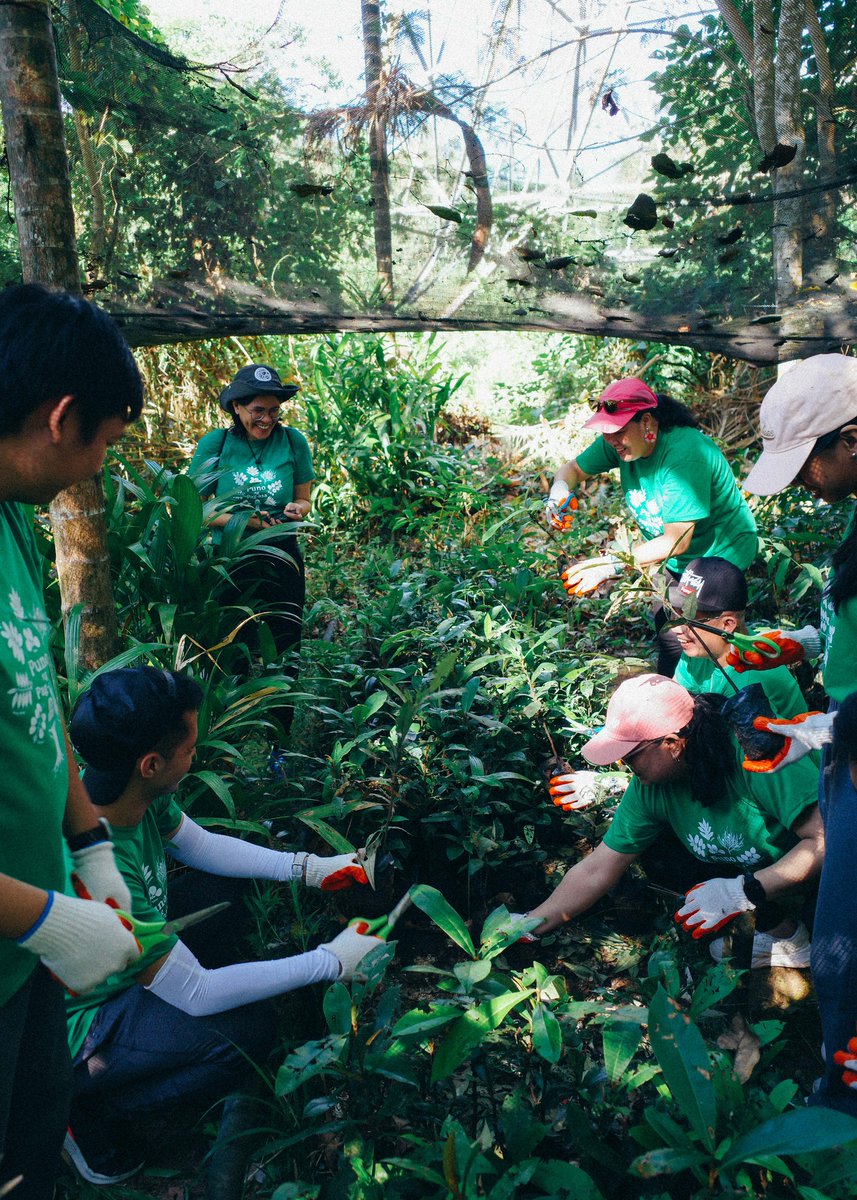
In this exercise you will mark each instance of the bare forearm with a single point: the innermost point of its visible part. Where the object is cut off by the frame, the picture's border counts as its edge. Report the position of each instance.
(586, 882)
(21, 905)
(80, 814)
(793, 869)
(674, 540)
(571, 474)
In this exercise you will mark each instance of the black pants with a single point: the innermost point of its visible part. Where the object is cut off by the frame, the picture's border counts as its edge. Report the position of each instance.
(277, 589)
(35, 1085)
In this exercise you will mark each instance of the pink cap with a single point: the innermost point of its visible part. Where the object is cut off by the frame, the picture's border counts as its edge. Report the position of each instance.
(629, 396)
(642, 708)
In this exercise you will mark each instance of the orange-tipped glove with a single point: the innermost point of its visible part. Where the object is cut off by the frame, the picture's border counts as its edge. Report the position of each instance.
(561, 506)
(794, 645)
(711, 905)
(848, 1059)
(329, 874)
(584, 577)
(574, 790)
(801, 735)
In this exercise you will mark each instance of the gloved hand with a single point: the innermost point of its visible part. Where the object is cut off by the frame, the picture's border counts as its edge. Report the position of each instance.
(561, 506)
(81, 942)
(350, 947)
(584, 577)
(795, 645)
(848, 1059)
(711, 905)
(330, 874)
(574, 790)
(96, 877)
(801, 734)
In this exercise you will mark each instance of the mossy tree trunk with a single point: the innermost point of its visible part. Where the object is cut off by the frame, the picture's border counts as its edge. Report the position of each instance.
(38, 171)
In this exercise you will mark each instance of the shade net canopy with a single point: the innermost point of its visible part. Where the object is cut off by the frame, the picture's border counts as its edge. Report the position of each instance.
(645, 169)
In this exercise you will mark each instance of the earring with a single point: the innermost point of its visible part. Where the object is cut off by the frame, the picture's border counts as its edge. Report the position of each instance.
(650, 436)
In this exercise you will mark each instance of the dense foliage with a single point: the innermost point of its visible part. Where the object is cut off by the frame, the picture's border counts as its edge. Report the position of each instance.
(442, 670)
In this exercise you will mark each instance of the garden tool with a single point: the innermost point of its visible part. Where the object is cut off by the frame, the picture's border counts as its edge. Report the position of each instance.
(382, 927)
(762, 645)
(150, 934)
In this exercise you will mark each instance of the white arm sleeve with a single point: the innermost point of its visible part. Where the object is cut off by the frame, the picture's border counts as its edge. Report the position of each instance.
(183, 982)
(221, 855)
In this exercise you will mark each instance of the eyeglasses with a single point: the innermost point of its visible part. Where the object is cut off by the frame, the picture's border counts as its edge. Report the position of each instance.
(260, 414)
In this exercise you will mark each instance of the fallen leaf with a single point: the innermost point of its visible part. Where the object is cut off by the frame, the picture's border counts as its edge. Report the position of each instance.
(744, 1042)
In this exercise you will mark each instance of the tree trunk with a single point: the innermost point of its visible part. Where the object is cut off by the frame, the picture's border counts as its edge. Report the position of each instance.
(379, 165)
(821, 257)
(38, 172)
(788, 226)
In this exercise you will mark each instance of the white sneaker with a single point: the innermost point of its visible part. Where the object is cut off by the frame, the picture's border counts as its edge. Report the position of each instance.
(769, 951)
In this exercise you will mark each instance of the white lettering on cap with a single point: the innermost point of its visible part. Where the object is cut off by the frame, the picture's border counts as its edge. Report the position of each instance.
(263, 375)
(691, 584)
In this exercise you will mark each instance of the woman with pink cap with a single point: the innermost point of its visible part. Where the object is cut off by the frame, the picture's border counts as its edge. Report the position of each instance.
(747, 839)
(677, 483)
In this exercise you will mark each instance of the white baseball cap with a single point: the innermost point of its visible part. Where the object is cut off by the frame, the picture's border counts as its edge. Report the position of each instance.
(814, 398)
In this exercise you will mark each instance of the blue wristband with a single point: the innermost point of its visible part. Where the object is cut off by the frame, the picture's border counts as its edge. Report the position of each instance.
(41, 918)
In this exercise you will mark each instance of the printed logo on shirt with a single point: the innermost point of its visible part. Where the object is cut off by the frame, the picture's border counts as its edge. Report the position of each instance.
(156, 885)
(729, 847)
(647, 511)
(33, 695)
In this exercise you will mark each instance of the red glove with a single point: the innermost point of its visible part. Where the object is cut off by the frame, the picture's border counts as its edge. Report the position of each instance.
(801, 735)
(794, 644)
(329, 874)
(848, 1059)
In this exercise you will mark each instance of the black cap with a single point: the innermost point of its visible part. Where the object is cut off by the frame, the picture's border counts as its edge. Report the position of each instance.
(256, 380)
(122, 715)
(716, 584)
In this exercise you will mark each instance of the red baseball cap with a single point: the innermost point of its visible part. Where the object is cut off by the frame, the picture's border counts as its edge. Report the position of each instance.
(619, 402)
(642, 708)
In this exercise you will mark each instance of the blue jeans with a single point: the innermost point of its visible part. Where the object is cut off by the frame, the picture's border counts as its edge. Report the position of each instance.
(834, 938)
(35, 1085)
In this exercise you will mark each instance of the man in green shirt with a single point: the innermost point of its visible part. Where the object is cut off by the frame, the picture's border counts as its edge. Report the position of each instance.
(68, 387)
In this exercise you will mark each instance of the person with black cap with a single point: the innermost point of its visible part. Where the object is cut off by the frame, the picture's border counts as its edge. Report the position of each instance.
(170, 1031)
(262, 470)
(677, 483)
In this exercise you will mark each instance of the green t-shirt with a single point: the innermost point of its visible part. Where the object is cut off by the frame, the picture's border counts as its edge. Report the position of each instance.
(701, 675)
(749, 827)
(686, 478)
(139, 854)
(34, 783)
(256, 475)
(839, 636)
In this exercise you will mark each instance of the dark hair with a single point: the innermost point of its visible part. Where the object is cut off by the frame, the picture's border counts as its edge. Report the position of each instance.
(187, 698)
(53, 344)
(669, 414)
(845, 730)
(709, 749)
(843, 584)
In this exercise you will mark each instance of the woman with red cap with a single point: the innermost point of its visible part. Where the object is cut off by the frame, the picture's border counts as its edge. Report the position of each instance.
(677, 483)
(744, 840)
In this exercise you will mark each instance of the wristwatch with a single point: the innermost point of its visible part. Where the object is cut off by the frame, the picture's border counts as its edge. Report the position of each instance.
(91, 837)
(753, 890)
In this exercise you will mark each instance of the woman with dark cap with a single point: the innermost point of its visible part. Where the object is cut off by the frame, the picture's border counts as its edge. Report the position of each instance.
(808, 422)
(265, 468)
(677, 483)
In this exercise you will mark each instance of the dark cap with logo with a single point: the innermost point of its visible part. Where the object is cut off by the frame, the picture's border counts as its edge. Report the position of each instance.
(716, 584)
(255, 380)
(121, 716)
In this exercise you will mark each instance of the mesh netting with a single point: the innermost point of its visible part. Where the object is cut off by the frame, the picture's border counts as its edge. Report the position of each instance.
(613, 168)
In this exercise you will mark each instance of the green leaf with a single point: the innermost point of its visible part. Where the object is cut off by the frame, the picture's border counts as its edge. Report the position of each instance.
(621, 1040)
(186, 517)
(667, 1162)
(418, 1024)
(433, 904)
(521, 1131)
(469, 693)
(470, 1030)
(335, 840)
(501, 929)
(337, 1008)
(557, 1178)
(547, 1035)
(801, 1131)
(472, 972)
(445, 214)
(681, 1052)
(220, 788)
(718, 982)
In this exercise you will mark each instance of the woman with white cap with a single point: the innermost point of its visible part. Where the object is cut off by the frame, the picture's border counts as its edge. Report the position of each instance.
(263, 468)
(808, 424)
(677, 483)
(756, 837)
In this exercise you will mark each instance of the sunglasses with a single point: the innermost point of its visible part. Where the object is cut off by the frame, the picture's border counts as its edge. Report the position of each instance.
(607, 406)
(638, 749)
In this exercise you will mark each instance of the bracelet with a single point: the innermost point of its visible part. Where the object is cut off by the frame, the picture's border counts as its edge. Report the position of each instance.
(91, 837)
(753, 890)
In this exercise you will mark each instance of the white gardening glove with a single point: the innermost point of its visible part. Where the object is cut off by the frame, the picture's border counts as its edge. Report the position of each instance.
(584, 577)
(329, 874)
(350, 947)
(561, 506)
(801, 735)
(525, 937)
(81, 942)
(96, 877)
(711, 905)
(574, 790)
